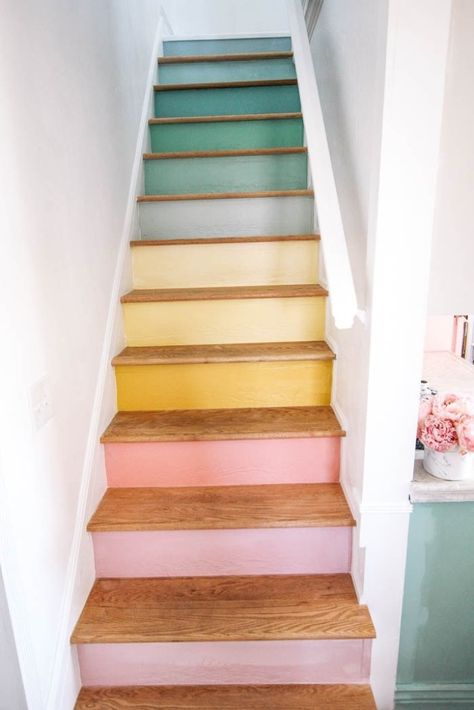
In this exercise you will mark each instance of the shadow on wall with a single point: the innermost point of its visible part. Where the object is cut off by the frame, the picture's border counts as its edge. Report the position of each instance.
(12, 696)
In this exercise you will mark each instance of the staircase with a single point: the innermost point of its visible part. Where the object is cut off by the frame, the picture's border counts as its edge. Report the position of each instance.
(223, 543)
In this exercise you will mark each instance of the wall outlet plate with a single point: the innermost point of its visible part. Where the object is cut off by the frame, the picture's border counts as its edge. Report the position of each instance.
(41, 404)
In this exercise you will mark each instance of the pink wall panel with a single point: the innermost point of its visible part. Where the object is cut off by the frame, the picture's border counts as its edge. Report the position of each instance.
(223, 552)
(204, 463)
(224, 662)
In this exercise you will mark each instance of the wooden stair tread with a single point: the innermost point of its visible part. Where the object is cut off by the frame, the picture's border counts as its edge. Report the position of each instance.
(222, 424)
(224, 240)
(225, 195)
(228, 697)
(240, 608)
(239, 352)
(223, 293)
(225, 153)
(225, 84)
(225, 117)
(222, 507)
(242, 56)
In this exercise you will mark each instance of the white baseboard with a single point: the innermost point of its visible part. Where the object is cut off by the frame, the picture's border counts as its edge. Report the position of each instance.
(249, 35)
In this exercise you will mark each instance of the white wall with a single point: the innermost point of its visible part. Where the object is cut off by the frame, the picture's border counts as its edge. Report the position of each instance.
(73, 81)
(381, 69)
(207, 17)
(452, 263)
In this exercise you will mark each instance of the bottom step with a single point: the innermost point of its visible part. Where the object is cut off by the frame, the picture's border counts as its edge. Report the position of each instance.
(233, 697)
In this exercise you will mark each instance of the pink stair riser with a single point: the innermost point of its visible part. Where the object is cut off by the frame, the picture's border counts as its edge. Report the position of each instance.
(224, 662)
(207, 463)
(177, 553)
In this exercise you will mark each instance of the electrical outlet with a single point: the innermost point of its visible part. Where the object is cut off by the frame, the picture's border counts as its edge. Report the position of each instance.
(40, 403)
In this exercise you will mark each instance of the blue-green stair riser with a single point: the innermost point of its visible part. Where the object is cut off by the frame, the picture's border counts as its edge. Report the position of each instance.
(196, 72)
(249, 173)
(227, 101)
(226, 46)
(227, 135)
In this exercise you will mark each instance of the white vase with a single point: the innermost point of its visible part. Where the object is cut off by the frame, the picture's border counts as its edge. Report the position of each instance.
(450, 465)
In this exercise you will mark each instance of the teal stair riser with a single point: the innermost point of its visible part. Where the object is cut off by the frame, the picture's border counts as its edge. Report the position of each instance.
(226, 71)
(217, 102)
(191, 219)
(227, 135)
(247, 173)
(226, 46)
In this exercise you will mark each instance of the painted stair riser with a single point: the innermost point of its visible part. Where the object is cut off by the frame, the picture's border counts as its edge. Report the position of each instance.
(223, 385)
(243, 173)
(207, 72)
(239, 264)
(226, 101)
(265, 216)
(225, 662)
(227, 135)
(180, 48)
(251, 320)
(202, 553)
(221, 463)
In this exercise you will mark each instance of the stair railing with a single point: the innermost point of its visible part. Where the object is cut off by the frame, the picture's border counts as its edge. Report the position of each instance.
(336, 257)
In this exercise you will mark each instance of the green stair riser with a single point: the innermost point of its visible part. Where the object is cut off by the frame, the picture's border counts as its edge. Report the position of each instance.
(196, 72)
(226, 135)
(191, 219)
(243, 173)
(232, 100)
(226, 46)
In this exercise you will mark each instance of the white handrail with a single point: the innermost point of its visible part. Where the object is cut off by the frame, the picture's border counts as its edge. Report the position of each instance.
(336, 257)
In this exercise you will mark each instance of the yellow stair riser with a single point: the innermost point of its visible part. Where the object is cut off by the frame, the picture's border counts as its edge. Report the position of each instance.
(252, 320)
(235, 264)
(224, 385)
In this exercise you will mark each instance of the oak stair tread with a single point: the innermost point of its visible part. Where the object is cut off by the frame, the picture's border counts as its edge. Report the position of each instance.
(289, 150)
(223, 424)
(228, 697)
(224, 240)
(240, 608)
(238, 57)
(300, 505)
(225, 195)
(225, 84)
(223, 293)
(225, 117)
(239, 352)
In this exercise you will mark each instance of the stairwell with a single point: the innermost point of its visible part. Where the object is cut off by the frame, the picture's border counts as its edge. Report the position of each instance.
(223, 543)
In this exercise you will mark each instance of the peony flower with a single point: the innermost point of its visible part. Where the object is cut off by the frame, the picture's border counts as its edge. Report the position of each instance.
(465, 432)
(439, 434)
(426, 407)
(452, 406)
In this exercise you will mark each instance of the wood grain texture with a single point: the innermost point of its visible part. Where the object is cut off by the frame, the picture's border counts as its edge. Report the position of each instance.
(250, 608)
(225, 117)
(230, 697)
(225, 195)
(239, 57)
(239, 352)
(222, 507)
(224, 240)
(224, 153)
(223, 424)
(225, 84)
(223, 293)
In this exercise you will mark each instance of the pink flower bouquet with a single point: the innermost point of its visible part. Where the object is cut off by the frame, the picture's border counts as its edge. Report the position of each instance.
(446, 421)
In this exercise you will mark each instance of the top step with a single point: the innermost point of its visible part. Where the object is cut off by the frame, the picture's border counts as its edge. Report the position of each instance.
(180, 48)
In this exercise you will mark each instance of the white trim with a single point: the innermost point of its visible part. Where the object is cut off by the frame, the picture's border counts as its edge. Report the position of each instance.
(63, 647)
(327, 210)
(249, 35)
